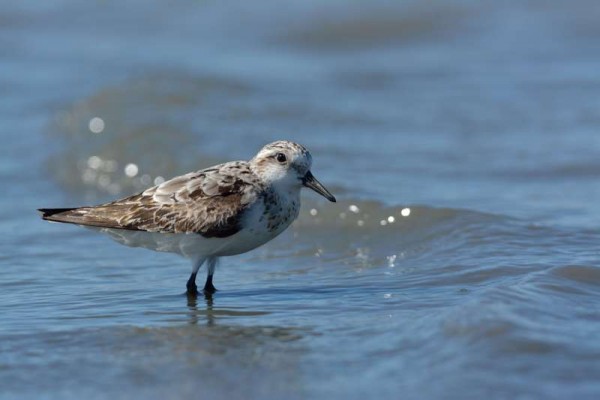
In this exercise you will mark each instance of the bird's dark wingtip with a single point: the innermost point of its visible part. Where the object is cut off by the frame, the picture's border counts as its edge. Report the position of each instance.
(49, 212)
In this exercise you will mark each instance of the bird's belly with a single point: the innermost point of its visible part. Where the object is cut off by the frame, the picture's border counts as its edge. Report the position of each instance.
(193, 245)
(241, 242)
(257, 229)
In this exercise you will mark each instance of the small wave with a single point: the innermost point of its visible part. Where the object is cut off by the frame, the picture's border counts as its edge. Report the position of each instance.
(581, 274)
(373, 216)
(114, 142)
(358, 27)
(371, 233)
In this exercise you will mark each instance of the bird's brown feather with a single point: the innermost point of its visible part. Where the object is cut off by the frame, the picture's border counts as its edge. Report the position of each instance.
(210, 202)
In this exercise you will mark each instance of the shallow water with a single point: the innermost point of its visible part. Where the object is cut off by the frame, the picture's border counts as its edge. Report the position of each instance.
(461, 138)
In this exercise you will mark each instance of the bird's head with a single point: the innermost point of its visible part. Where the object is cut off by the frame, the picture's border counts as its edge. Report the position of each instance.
(286, 165)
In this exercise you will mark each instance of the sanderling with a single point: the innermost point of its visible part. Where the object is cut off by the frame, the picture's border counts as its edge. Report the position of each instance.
(224, 210)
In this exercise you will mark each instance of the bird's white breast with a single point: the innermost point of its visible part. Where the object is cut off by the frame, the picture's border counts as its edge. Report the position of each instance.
(262, 221)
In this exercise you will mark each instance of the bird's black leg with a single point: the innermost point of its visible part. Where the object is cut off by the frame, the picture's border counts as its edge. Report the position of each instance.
(191, 285)
(208, 286)
(209, 289)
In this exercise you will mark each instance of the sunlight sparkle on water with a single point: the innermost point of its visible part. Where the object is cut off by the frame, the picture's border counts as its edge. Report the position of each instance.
(146, 179)
(131, 170)
(89, 176)
(104, 181)
(94, 162)
(391, 260)
(96, 125)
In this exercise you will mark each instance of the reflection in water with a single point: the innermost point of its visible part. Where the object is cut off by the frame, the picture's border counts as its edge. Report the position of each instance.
(202, 308)
(192, 303)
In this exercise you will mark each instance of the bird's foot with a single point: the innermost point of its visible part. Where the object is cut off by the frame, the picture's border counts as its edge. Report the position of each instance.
(209, 289)
(192, 290)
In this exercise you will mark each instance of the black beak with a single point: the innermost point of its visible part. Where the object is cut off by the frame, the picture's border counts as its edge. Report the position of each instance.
(311, 182)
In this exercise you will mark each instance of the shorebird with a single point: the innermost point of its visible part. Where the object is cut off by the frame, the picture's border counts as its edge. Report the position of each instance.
(223, 210)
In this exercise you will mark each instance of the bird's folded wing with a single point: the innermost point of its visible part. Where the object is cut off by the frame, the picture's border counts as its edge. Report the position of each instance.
(210, 202)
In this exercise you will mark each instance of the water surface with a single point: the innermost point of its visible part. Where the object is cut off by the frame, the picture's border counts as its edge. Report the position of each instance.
(461, 138)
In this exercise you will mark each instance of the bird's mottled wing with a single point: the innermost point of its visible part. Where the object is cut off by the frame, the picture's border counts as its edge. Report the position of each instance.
(210, 202)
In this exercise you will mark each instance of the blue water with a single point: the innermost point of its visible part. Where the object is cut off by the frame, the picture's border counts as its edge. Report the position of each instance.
(461, 138)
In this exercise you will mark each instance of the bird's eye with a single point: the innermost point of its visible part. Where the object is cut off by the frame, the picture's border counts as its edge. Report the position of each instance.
(281, 157)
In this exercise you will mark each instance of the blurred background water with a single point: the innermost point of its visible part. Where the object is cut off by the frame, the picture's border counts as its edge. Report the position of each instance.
(461, 138)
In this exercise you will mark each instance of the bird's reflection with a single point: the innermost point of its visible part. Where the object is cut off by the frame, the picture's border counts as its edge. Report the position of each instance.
(195, 312)
(201, 309)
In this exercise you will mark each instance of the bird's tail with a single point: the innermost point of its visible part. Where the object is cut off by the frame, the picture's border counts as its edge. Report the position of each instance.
(48, 213)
